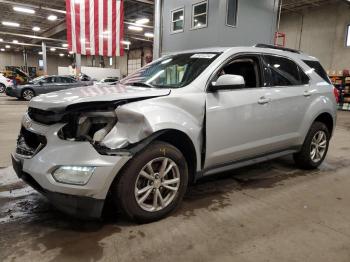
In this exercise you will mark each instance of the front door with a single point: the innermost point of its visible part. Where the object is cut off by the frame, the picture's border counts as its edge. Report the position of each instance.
(238, 121)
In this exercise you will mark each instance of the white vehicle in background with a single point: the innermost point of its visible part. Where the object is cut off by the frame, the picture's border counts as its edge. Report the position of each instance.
(108, 81)
(4, 82)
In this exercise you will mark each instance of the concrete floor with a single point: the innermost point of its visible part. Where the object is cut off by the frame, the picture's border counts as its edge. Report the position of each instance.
(267, 212)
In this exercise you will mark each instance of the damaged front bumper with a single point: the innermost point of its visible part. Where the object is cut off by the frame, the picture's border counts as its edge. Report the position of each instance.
(36, 165)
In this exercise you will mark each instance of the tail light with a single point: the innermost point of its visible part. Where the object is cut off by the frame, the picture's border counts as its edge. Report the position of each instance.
(336, 94)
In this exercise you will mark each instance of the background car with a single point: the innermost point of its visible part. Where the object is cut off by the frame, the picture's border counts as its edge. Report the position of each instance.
(108, 81)
(4, 82)
(43, 85)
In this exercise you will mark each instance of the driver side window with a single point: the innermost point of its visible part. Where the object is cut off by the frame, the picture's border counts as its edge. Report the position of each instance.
(246, 66)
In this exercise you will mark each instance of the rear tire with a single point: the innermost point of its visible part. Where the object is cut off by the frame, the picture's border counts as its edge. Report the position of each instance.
(315, 147)
(152, 183)
(28, 94)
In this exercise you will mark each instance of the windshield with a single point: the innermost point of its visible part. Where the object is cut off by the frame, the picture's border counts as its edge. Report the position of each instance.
(38, 79)
(172, 71)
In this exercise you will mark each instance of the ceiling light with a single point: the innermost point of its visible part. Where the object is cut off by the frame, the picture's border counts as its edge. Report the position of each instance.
(135, 28)
(1, 40)
(15, 41)
(52, 17)
(64, 45)
(126, 42)
(142, 21)
(149, 34)
(2, 49)
(7, 46)
(61, 55)
(52, 49)
(71, 52)
(23, 10)
(6, 23)
(36, 28)
(40, 53)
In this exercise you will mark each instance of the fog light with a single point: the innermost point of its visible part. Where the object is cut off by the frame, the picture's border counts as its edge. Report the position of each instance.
(75, 175)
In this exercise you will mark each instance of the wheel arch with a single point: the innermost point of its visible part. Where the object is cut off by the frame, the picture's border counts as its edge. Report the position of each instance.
(327, 119)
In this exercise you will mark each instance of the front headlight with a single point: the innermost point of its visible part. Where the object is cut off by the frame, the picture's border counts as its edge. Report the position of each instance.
(74, 175)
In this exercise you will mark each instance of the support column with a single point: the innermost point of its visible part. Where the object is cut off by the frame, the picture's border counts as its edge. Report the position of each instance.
(43, 46)
(157, 40)
(25, 60)
(77, 64)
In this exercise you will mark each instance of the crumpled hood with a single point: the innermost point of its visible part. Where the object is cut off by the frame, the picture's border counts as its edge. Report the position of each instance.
(61, 99)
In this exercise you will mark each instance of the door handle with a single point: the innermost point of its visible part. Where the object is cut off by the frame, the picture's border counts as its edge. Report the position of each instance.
(263, 100)
(307, 93)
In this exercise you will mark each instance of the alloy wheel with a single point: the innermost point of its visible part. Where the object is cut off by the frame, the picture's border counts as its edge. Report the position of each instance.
(157, 184)
(318, 146)
(28, 95)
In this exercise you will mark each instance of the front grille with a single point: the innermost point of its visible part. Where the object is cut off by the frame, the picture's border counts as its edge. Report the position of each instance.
(29, 143)
(43, 116)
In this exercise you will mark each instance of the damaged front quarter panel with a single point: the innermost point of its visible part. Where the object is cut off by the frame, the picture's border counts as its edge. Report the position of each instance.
(141, 122)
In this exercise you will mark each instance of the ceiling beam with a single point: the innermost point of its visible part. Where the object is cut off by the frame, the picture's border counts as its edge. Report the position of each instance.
(142, 1)
(33, 6)
(34, 37)
(34, 45)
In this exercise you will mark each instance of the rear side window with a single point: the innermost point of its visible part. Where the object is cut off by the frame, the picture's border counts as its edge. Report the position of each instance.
(318, 69)
(285, 72)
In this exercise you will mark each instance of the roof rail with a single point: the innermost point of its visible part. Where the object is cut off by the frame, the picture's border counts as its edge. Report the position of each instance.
(278, 48)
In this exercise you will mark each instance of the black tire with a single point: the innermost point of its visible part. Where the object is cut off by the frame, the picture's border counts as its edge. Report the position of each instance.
(28, 94)
(123, 189)
(2, 88)
(303, 158)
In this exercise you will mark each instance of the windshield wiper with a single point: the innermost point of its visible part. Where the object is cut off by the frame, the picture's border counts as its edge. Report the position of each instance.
(141, 84)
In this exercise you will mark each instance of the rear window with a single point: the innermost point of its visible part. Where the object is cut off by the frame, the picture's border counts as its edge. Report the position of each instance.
(318, 69)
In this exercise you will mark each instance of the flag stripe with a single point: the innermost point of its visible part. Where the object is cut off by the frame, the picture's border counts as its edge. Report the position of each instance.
(100, 26)
(95, 27)
(77, 27)
(121, 28)
(82, 27)
(105, 28)
(69, 25)
(114, 27)
(87, 27)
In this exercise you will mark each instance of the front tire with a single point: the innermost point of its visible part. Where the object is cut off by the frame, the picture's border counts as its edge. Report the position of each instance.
(2, 88)
(152, 184)
(315, 147)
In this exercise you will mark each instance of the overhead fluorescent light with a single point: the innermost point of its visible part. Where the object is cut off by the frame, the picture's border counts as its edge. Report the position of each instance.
(1, 40)
(6, 23)
(135, 28)
(52, 17)
(126, 42)
(40, 53)
(36, 28)
(15, 41)
(23, 10)
(52, 49)
(64, 45)
(71, 52)
(142, 21)
(149, 34)
(7, 46)
(61, 55)
(2, 49)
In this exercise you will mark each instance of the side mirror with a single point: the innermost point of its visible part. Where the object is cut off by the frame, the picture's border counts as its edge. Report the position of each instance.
(226, 82)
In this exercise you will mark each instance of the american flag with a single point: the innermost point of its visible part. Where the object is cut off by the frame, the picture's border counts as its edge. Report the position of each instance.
(95, 27)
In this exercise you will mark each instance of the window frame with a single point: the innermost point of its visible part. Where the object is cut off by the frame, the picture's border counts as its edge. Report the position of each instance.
(172, 21)
(300, 70)
(233, 57)
(226, 20)
(193, 16)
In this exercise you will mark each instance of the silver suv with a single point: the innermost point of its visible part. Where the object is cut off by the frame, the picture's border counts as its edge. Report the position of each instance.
(183, 117)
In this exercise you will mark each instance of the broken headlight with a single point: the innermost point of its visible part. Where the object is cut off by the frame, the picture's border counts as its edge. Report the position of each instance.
(88, 126)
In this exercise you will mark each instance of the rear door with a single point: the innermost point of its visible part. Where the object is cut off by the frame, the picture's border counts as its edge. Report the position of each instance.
(289, 92)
